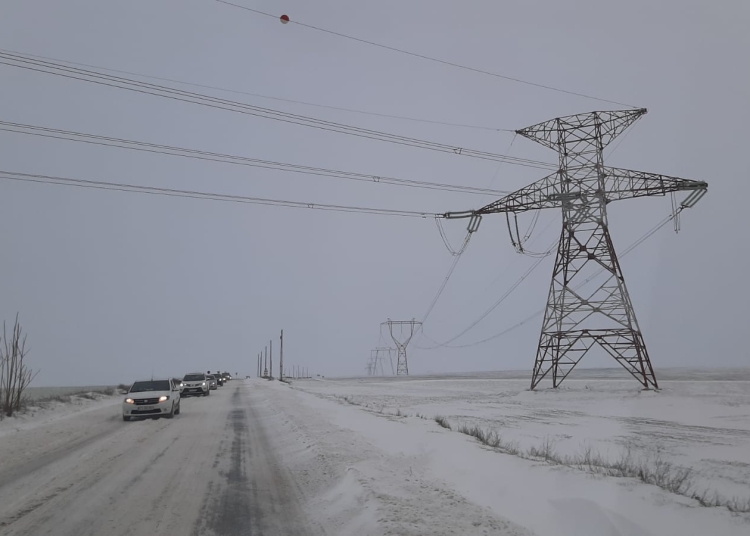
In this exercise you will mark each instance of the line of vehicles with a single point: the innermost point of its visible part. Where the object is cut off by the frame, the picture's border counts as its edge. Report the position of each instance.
(161, 398)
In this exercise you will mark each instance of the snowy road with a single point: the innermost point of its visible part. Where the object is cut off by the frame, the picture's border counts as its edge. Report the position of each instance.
(211, 470)
(341, 458)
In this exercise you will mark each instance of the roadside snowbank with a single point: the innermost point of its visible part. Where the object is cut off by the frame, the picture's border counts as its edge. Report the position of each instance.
(355, 486)
(43, 411)
(407, 475)
(703, 425)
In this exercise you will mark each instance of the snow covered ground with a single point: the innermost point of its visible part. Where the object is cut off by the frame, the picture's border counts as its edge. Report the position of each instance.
(36, 393)
(54, 405)
(366, 457)
(703, 425)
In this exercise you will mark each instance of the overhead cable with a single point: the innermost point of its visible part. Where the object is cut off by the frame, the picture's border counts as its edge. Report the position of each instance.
(120, 143)
(269, 97)
(500, 300)
(23, 61)
(210, 196)
(431, 58)
(452, 268)
(629, 249)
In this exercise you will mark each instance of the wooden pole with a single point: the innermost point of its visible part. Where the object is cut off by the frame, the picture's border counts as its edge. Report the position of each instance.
(281, 356)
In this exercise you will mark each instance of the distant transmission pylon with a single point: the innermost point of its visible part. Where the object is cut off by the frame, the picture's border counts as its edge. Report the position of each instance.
(381, 352)
(401, 339)
(374, 365)
(575, 321)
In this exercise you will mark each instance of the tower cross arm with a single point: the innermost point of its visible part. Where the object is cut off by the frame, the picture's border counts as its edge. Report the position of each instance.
(618, 184)
(544, 193)
(627, 184)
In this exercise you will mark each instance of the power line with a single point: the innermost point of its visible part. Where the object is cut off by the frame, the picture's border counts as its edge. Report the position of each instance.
(450, 272)
(500, 164)
(210, 196)
(432, 59)
(57, 69)
(261, 96)
(494, 306)
(120, 143)
(452, 268)
(630, 248)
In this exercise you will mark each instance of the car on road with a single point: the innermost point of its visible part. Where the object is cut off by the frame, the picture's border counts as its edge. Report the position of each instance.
(178, 383)
(152, 398)
(219, 379)
(212, 383)
(195, 383)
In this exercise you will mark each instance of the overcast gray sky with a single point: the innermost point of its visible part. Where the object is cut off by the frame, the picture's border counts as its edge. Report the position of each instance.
(113, 286)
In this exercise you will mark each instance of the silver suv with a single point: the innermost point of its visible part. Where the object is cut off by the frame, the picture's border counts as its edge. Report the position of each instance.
(195, 383)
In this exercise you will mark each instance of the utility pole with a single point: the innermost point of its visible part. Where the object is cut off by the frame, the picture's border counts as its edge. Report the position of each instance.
(265, 364)
(281, 356)
(582, 187)
(270, 357)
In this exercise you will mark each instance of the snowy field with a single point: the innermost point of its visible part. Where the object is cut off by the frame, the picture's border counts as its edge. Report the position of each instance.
(365, 456)
(35, 393)
(697, 424)
(52, 404)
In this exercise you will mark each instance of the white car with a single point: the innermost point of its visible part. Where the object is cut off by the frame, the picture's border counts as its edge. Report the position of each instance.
(178, 383)
(152, 398)
(195, 383)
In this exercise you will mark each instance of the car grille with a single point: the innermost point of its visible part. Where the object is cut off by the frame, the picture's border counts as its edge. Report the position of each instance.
(146, 401)
(145, 411)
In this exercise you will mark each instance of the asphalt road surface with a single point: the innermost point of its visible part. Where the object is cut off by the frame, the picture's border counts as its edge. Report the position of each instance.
(209, 471)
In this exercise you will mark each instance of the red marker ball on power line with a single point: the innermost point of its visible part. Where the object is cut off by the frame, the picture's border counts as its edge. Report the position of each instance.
(284, 19)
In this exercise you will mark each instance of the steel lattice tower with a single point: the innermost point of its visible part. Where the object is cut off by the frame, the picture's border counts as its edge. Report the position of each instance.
(574, 320)
(381, 352)
(402, 340)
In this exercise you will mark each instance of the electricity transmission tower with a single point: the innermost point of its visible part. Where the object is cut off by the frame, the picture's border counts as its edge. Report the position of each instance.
(404, 334)
(574, 320)
(374, 365)
(381, 352)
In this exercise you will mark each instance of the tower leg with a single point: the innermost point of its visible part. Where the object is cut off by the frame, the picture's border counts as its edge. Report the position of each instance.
(576, 320)
(402, 366)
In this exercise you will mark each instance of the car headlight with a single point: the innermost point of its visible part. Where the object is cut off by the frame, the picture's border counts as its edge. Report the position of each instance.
(129, 401)
(203, 384)
(163, 398)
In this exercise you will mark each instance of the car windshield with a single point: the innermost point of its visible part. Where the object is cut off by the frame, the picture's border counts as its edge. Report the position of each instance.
(194, 378)
(210, 377)
(154, 385)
